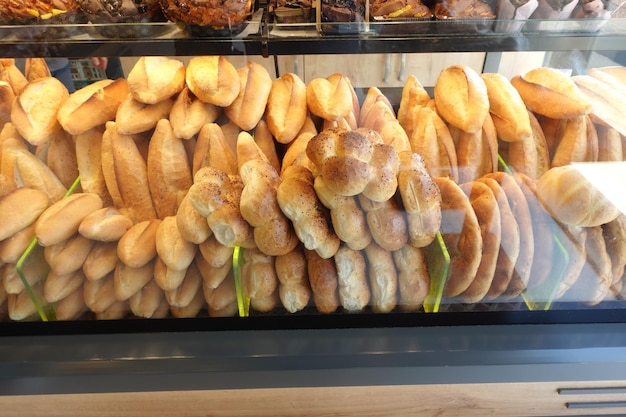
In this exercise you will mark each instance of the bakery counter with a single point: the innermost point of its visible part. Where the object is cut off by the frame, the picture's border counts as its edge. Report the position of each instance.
(262, 37)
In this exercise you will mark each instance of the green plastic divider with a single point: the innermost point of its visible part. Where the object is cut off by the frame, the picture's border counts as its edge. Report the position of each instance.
(243, 302)
(438, 268)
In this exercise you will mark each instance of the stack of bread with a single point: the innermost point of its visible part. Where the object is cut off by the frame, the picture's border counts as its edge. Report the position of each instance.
(332, 202)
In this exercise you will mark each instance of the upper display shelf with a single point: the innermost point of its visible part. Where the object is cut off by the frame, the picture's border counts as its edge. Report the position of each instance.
(262, 36)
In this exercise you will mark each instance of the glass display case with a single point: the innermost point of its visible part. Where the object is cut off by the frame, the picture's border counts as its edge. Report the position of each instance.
(306, 214)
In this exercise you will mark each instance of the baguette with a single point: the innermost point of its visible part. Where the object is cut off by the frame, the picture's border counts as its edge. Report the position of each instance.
(155, 78)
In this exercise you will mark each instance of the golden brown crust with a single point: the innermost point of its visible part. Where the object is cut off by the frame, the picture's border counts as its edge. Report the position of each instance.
(191, 225)
(354, 291)
(387, 222)
(149, 302)
(106, 225)
(188, 114)
(138, 245)
(57, 287)
(128, 281)
(294, 290)
(329, 98)
(213, 79)
(21, 208)
(69, 255)
(213, 150)
(88, 147)
(61, 158)
(133, 116)
(259, 280)
(383, 278)
(323, 279)
(100, 261)
(99, 295)
(286, 110)
(248, 107)
(573, 144)
(186, 291)
(173, 250)
(413, 277)
(414, 96)
(155, 78)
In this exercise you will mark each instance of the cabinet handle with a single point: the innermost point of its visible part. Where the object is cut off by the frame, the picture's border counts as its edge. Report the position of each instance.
(591, 391)
(595, 404)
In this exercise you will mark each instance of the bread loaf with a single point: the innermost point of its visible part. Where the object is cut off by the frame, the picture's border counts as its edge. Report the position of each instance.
(386, 221)
(176, 252)
(69, 255)
(609, 144)
(28, 171)
(530, 157)
(138, 245)
(191, 225)
(294, 290)
(487, 213)
(259, 280)
(166, 278)
(461, 98)
(105, 225)
(20, 305)
(35, 109)
(190, 310)
(134, 116)
(329, 98)
(149, 302)
(36, 68)
(188, 114)
(101, 260)
(286, 110)
(477, 153)
(461, 234)
(99, 295)
(7, 97)
(383, 278)
(212, 150)
(249, 105)
(421, 199)
(354, 290)
(323, 279)
(414, 97)
(213, 79)
(184, 294)
(62, 219)
(92, 106)
(71, 307)
(89, 163)
(11, 74)
(413, 277)
(21, 208)
(221, 298)
(549, 92)
(61, 158)
(215, 253)
(266, 143)
(212, 276)
(57, 287)
(168, 170)
(34, 268)
(156, 78)
(573, 144)
(13, 247)
(606, 102)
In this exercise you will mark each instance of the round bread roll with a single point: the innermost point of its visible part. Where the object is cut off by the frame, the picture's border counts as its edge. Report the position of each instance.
(294, 290)
(138, 245)
(354, 290)
(21, 208)
(156, 78)
(569, 196)
(34, 111)
(383, 278)
(549, 92)
(487, 212)
(330, 98)
(106, 225)
(249, 105)
(62, 219)
(461, 98)
(286, 109)
(461, 233)
(92, 106)
(413, 277)
(213, 79)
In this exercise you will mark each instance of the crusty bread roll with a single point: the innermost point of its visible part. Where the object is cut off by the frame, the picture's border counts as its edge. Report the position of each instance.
(88, 146)
(36, 68)
(13, 247)
(573, 143)
(168, 169)
(62, 219)
(215, 253)
(487, 212)
(100, 294)
(69, 255)
(421, 199)
(71, 307)
(613, 75)
(212, 276)
(607, 103)
(354, 290)
(134, 116)
(614, 233)
(507, 109)
(414, 96)
(127, 281)
(296, 148)
(574, 241)
(213, 150)
(176, 252)
(273, 232)
(521, 212)
(21, 208)
(61, 158)
(138, 245)
(7, 97)
(190, 310)
(106, 225)
(156, 78)
(191, 225)
(431, 139)
(329, 98)
(188, 114)
(264, 139)
(126, 175)
(92, 106)
(220, 298)
(461, 98)
(217, 196)
(35, 109)
(369, 109)
(294, 290)
(322, 275)
(213, 79)
(286, 109)
(530, 157)
(550, 92)
(386, 221)
(149, 302)
(57, 287)
(383, 278)
(348, 219)
(34, 268)
(461, 234)
(609, 144)
(101, 260)
(6, 185)
(573, 199)
(248, 149)
(11, 74)
(21, 306)
(259, 280)
(413, 277)
(311, 220)
(184, 294)
(166, 278)
(477, 153)
(249, 105)
(509, 241)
